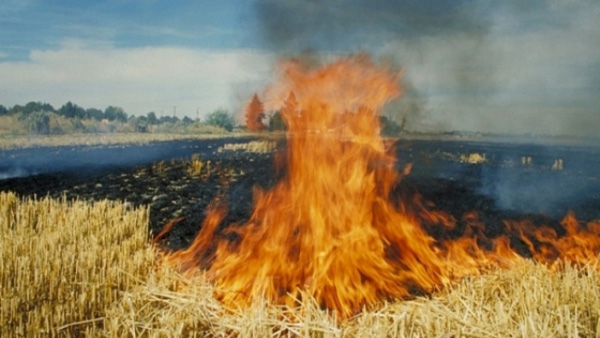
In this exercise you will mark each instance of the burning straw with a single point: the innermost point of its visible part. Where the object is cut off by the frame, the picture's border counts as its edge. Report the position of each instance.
(73, 268)
(331, 232)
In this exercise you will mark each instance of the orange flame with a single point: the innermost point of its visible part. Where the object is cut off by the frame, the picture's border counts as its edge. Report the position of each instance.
(329, 228)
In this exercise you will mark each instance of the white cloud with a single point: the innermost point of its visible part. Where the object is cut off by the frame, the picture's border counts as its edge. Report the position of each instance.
(138, 79)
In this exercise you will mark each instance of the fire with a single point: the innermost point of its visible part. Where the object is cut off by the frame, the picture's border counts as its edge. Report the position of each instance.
(330, 229)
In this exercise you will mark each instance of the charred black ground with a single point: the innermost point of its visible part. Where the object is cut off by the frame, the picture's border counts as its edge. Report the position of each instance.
(499, 180)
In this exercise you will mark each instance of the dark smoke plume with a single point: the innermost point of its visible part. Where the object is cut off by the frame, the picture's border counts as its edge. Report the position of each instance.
(480, 65)
(299, 25)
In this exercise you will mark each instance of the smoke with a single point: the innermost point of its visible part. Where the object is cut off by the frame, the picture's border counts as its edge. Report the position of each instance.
(538, 187)
(299, 25)
(478, 65)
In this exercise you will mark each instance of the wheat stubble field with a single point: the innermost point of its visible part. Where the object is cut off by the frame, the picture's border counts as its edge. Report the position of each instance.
(88, 268)
(80, 269)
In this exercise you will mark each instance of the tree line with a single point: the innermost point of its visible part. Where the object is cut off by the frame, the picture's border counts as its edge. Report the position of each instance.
(68, 110)
(37, 116)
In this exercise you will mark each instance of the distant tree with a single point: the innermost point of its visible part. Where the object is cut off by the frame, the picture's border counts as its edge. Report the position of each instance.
(139, 123)
(115, 114)
(109, 113)
(67, 110)
(186, 121)
(71, 110)
(290, 106)
(47, 107)
(276, 122)
(80, 113)
(152, 118)
(16, 109)
(94, 113)
(220, 118)
(280, 119)
(32, 107)
(167, 119)
(37, 106)
(255, 113)
(3, 110)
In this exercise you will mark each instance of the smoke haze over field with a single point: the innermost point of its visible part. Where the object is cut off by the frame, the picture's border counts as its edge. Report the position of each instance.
(509, 66)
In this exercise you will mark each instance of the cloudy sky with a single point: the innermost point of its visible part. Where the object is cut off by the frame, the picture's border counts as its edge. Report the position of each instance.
(481, 65)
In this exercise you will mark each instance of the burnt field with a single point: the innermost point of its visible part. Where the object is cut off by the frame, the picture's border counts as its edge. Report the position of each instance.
(498, 180)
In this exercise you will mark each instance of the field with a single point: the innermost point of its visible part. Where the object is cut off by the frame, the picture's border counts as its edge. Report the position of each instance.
(101, 139)
(81, 262)
(75, 268)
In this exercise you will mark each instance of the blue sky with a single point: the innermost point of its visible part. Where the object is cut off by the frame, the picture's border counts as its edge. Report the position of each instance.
(37, 24)
(481, 65)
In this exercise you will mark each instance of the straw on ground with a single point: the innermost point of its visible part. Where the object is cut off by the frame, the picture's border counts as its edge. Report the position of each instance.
(70, 268)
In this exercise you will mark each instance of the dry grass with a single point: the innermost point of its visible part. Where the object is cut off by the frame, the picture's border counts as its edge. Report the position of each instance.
(20, 141)
(195, 165)
(70, 268)
(260, 147)
(159, 168)
(11, 126)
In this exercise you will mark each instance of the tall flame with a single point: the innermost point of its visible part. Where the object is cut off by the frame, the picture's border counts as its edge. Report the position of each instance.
(329, 227)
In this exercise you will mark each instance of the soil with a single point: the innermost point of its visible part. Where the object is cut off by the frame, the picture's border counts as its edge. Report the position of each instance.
(499, 182)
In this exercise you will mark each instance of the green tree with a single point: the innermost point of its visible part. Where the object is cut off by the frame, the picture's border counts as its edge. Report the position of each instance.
(71, 110)
(16, 109)
(168, 119)
(276, 122)
(186, 121)
(67, 110)
(94, 113)
(152, 118)
(3, 110)
(37, 106)
(32, 107)
(115, 114)
(220, 118)
(139, 124)
(47, 107)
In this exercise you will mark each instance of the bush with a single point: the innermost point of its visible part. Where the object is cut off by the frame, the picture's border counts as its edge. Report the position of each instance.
(77, 125)
(220, 118)
(38, 122)
(139, 124)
